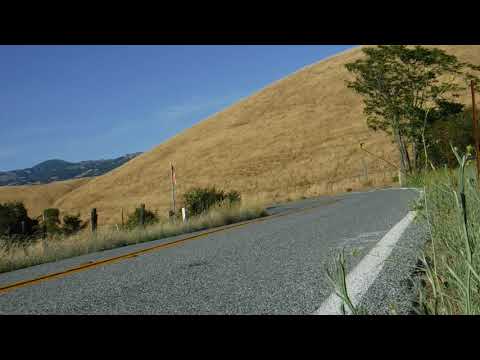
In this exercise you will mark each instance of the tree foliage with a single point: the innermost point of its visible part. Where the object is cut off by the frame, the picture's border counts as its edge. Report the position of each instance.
(51, 220)
(15, 222)
(402, 86)
(454, 127)
(72, 224)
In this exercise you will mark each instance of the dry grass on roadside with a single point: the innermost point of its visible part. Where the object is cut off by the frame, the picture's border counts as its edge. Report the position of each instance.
(37, 252)
(451, 260)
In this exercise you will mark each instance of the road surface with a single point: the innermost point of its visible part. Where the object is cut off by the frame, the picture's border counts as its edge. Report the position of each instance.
(273, 266)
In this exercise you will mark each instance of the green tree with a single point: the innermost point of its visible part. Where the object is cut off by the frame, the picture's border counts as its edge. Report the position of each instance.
(451, 128)
(401, 86)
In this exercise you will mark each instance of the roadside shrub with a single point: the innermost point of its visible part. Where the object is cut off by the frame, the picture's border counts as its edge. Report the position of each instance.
(233, 196)
(199, 200)
(51, 220)
(14, 221)
(72, 224)
(455, 129)
(133, 219)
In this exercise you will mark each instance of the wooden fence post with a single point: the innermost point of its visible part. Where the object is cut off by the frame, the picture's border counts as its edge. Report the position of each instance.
(142, 214)
(365, 170)
(44, 226)
(94, 218)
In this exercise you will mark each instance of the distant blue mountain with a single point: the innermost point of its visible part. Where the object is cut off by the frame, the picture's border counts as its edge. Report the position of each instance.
(56, 170)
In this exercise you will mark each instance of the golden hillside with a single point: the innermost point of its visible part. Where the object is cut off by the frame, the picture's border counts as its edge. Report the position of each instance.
(298, 136)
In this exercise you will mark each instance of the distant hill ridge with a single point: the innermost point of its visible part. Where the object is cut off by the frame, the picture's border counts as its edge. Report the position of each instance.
(57, 170)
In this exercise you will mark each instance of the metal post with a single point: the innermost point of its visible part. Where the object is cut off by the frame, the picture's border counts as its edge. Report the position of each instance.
(94, 218)
(475, 130)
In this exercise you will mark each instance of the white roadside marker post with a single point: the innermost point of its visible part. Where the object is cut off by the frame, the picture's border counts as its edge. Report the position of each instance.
(401, 178)
(184, 214)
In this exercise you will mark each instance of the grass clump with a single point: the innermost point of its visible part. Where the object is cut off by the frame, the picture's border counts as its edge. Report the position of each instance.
(337, 275)
(450, 264)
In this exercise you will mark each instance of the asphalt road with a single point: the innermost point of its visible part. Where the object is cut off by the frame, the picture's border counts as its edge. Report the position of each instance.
(276, 266)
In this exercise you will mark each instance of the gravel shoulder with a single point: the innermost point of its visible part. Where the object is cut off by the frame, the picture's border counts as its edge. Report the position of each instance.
(394, 290)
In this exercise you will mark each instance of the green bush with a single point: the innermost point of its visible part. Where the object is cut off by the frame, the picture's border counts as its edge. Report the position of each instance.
(72, 224)
(12, 215)
(51, 220)
(455, 129)
(133, 219)
(199, 200)
(233, 196)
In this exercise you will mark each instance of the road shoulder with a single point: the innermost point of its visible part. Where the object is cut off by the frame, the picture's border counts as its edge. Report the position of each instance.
(394, 290)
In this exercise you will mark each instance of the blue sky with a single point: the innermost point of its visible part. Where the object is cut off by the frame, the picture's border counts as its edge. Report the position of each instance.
(96, 102)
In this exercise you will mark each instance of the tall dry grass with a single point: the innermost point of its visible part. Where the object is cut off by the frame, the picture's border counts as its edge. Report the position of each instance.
(450, 264)
(447, 276)
(15, 255)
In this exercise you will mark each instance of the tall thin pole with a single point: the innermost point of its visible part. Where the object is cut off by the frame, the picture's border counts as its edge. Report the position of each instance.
(142, 214)
(94, 219)
(173, 186)
(475, 130)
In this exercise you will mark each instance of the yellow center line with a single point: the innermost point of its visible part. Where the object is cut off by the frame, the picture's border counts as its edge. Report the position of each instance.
(98, 263)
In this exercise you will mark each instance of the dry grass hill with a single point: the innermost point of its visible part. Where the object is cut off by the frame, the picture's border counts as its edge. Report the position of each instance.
(297, 137)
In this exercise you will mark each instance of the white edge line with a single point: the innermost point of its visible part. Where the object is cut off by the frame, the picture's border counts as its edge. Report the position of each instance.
(364, 274)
